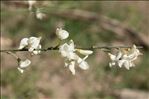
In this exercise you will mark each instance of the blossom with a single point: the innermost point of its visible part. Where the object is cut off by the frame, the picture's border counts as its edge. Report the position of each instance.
(133, 53)
(32, 43)
(40, 15)
(62, 34)
(125, 59)
(67, 50)
(31, 4)
(23, 64)
(82, 63)
(77, 61)
(35, 52)
(23, 43)
(115, 58)
(71, 65)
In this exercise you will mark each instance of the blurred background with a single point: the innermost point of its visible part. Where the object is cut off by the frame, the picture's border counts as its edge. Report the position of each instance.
(89, 23)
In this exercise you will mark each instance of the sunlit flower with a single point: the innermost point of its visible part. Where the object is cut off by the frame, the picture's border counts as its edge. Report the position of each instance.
(115, 58)
(23, 43)
(82, 63)
(71, 58)
(31, 4)
(67, 50)
(125, 62)
(62, 34)
(40, 15)
(133, 53)
(71, 66)
(23, 64)
(37, 51)
(125, 59)
(32, 43)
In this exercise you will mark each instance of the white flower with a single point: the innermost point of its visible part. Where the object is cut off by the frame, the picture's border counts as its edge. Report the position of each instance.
(126, 63)
(37, 51)
(84, 52)
(82, 63)
(32, 43)
(23, 43)
(133, 53)
(40, 15)
(72, 67)
(125, 59)
(115, 58)
(62, 34)
(67, 50)
(31, 4)
(23, 64)
(71, 58)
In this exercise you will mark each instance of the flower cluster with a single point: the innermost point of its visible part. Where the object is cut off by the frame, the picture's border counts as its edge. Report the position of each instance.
(68, 51)
(125, 59)
(33, 45)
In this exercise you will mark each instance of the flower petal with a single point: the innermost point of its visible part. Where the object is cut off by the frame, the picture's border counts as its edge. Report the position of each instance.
(63, 49)
(121, 62)
(119, 55)
(20, 70)
(127, 64)
(111, 64)
(25, 63)
(84, 52)
(33, 43)
(62, 34)
(84, 65)
(72, 67)
(112, 57)
(23, 43)
(71, 45)
(37, 51)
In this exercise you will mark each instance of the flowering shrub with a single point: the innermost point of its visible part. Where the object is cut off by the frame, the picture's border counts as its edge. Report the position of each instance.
(124, 56)
(69, 51)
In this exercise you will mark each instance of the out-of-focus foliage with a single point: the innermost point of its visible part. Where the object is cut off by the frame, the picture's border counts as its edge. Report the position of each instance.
(47, 77)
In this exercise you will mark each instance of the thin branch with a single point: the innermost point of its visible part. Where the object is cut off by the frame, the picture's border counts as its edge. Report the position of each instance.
(12, 54)
(57, 48)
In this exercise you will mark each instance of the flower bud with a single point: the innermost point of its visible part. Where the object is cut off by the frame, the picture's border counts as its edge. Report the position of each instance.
(62, 34)
(84, 52)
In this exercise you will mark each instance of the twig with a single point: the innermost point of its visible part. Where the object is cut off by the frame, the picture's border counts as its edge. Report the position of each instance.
(56, 48)
(12, 54)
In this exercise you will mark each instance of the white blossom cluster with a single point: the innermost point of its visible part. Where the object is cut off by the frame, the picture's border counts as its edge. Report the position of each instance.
(125, 59)
(69, 53)
(68, 50)
(33, 45)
